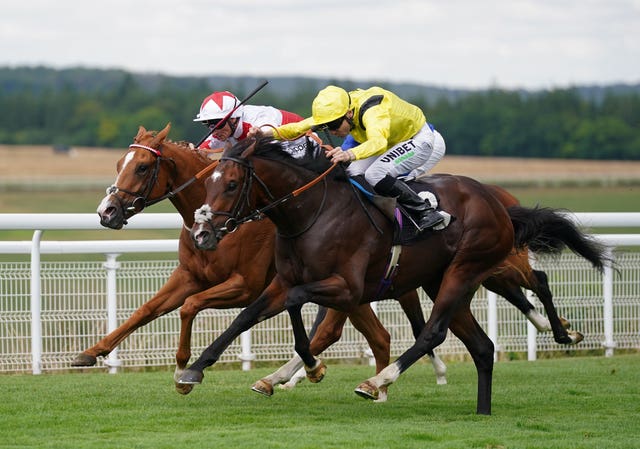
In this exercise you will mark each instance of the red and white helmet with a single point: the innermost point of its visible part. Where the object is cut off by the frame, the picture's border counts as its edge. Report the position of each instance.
(217, 106)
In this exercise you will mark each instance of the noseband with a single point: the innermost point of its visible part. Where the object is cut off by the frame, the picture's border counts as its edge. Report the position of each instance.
(235, 220)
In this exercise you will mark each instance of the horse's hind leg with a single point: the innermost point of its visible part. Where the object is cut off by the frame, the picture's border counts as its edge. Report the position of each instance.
(410, 303)
(454, 296)
(452, 292)
(539, 284)
(517, 274)
(481, 348)
(368, 324)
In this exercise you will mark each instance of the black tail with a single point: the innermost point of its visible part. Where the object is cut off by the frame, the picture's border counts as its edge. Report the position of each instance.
(546, 230)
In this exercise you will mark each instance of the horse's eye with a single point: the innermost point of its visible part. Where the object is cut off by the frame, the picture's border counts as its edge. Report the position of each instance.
(232, 186)
(142, 169)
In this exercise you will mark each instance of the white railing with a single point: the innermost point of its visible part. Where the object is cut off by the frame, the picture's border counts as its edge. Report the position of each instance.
(112, 249)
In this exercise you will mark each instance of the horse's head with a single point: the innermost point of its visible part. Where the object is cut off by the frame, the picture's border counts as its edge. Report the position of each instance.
(252, 178)
(142, 177)
(228, 189)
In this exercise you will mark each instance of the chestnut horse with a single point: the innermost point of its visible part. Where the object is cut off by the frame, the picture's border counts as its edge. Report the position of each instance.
(156, 168)
(332, 249)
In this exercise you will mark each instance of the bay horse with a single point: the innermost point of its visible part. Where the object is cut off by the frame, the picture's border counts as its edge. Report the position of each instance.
(155, 169)
(332, 249)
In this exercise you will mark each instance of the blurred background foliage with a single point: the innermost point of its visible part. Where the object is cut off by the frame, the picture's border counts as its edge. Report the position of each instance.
(103, 108)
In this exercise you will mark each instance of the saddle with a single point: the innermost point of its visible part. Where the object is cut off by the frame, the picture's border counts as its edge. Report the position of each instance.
(405, 231)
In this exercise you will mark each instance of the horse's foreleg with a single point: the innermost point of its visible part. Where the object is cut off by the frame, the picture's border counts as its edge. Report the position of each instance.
(231, 293)
(270, 303)
(170, 296)
(330, 292)
(315, 368)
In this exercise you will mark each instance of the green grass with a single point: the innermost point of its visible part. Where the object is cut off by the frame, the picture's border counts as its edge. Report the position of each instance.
(562, 403)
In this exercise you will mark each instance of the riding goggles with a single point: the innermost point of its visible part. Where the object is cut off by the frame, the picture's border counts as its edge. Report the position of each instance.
(216, 123)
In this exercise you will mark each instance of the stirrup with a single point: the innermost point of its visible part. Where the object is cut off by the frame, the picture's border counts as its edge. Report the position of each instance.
(430, 219)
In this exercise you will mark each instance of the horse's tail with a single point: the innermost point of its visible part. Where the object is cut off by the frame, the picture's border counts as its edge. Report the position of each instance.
(545, 230)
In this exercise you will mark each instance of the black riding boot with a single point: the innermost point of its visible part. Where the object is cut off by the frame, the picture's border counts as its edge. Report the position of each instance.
(420, 210)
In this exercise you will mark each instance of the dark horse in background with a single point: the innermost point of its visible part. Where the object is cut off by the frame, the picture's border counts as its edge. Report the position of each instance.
(332, 250)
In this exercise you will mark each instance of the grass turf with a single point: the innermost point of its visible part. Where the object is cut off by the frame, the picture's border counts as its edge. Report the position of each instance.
(560, 403)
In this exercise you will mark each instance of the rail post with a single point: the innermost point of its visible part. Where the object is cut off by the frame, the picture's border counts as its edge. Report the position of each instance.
(111, 265)
(246, 355)
(532, 332)
(36, 304)
(492, 321)
(607, 289)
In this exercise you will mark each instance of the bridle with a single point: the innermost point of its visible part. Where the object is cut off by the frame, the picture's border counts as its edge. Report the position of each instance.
(141, 198)
(235, 219)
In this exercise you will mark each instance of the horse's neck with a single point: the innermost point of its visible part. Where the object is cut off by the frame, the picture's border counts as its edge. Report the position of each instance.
(325, 197)
(187, 165)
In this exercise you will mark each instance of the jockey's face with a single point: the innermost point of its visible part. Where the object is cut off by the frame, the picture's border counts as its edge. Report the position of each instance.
(225, 131)
(342, 130)
(345, 126)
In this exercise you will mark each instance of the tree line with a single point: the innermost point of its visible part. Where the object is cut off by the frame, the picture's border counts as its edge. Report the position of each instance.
(104, 109)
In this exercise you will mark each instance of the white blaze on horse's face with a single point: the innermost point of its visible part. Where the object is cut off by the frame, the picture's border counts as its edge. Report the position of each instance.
(104, 204)
(127, 159)
(216, 176)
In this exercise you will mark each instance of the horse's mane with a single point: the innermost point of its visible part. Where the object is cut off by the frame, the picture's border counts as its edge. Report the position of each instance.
(313, 158)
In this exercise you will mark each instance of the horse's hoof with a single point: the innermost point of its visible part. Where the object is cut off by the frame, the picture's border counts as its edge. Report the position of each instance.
(316, 374)
(190, 377)
(572, 338)
(441, 380)
(263, 387)
(564, 323)
(576, 337)
(83, 359)
(183, 388)
(382, 396)
(367, 390)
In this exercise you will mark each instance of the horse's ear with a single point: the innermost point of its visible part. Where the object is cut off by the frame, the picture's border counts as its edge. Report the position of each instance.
(159, 138)
(141, 132)
(249, 150)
